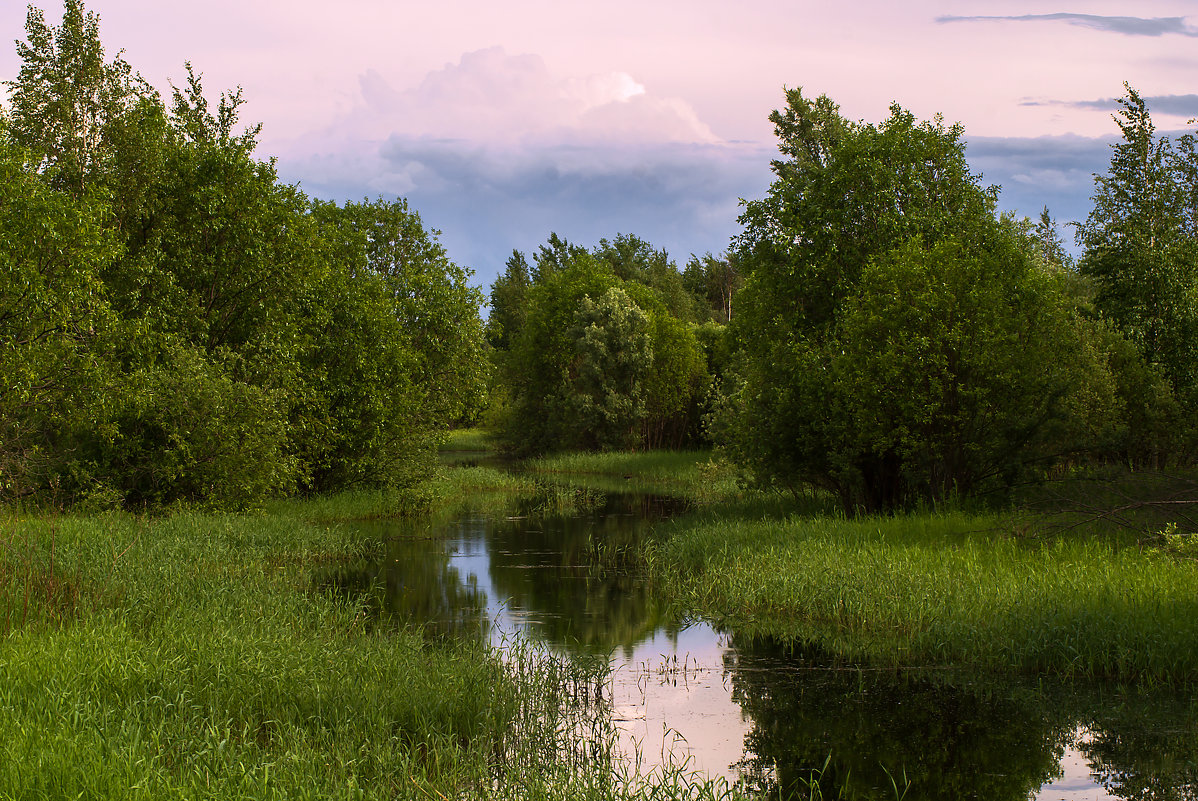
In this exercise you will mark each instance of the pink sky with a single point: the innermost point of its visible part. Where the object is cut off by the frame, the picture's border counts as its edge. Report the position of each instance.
(469, 108)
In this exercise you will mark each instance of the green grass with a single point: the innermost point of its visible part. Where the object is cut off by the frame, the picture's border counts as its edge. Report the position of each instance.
(939, 589)
(195, 656)
(691, 474)
(468, 439)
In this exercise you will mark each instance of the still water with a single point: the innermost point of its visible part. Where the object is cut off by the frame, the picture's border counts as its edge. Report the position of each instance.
(773, 716)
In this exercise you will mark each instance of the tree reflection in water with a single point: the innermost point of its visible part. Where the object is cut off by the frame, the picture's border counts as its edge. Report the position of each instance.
(414, 584)
(857, 733)
(861, 733)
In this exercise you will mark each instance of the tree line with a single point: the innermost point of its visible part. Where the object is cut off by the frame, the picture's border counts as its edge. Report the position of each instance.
(896, 340)
(176, 325)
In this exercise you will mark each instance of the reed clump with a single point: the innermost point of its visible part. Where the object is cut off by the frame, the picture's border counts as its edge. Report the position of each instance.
(941, 588)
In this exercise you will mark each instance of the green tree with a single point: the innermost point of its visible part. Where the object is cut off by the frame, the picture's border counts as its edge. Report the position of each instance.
(395, 352)
(897, 340)
(1049, 243)
(614, 350)
(55, 320)
(1141, 246)
(509, 302)
(714, 282)
(67, 102)
(632, 259)
(579, 373)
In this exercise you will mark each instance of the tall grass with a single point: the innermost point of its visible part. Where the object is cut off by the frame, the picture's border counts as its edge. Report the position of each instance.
(692, 474)
(935, 589)
(194, 657)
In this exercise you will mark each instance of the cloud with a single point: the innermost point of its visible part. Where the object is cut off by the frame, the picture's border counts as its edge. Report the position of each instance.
(1174, 105)
(1128, 26)
(1034, 172)
(494, 98)
(497, 151)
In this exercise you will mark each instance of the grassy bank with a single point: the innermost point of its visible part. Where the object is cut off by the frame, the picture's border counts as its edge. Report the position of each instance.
(1082, 597)
(194, 656)
(690, 474)
(939, 589)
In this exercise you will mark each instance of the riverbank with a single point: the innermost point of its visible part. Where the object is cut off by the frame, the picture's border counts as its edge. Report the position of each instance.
(196, 655)
(930, 589)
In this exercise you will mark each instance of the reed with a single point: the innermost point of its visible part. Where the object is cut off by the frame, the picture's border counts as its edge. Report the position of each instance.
(696, 475)
(936, 589)
(194, 656)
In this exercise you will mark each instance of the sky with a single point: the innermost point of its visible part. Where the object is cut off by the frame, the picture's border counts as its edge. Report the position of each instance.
(504, 122)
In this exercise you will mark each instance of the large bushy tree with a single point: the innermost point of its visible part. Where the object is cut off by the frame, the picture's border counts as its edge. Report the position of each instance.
(179, 326)
(599, 361)
(899, 341)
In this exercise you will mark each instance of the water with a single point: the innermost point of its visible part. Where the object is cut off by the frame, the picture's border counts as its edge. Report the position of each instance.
(772, 716)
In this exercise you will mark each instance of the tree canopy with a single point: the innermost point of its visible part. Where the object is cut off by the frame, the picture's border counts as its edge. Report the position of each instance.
(899, 341)
(202, 332)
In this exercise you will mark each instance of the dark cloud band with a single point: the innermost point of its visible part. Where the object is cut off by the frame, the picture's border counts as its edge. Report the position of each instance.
(1175, 105)
(1128, 26)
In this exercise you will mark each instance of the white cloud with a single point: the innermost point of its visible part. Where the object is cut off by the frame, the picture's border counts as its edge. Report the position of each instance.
(496, 100)
(498, 151)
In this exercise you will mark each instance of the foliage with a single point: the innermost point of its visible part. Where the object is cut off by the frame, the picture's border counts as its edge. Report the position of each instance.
(899, 342)
(202, 332)
(1141, 247)
(68, 104)
(599, 363)
(396, 347)
(614, 358)
(185, 430)
(714, 282)
(54, 318)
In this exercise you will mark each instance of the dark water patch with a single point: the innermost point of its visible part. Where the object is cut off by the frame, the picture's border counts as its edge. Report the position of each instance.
(858, 733)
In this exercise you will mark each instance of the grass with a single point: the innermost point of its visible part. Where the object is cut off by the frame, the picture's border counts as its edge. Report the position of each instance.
(937, 589)
(194, 656)
(691, 474)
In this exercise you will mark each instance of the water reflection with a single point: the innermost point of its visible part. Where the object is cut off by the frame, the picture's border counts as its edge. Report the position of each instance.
(865, 734)
(780, 718)
(414, 584)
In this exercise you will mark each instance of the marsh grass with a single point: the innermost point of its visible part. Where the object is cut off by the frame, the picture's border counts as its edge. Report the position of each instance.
(937, 589)
(468, 439)
(192, 655)
(696, 475)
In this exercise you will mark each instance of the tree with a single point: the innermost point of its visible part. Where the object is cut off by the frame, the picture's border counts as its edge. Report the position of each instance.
(396, 347)
(897, 341)
(509, 302)
(1049, 243)
(615, 357)
(1141, 245)
(599, 363)
(714, 282)
(55, 319)
(68, 103)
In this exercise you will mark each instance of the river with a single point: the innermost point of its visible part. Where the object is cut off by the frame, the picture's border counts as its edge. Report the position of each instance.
(773, 716)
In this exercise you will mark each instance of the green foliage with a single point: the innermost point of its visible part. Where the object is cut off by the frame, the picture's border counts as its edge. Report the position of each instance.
(614, 358)
(899, 342)
(634, 260)
(396, 348)
(1141, 248)
(509, 303)
(54, 318)
(186, 431)
(69, 105)
(714, 282)
(600, 363)
(201, 332)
